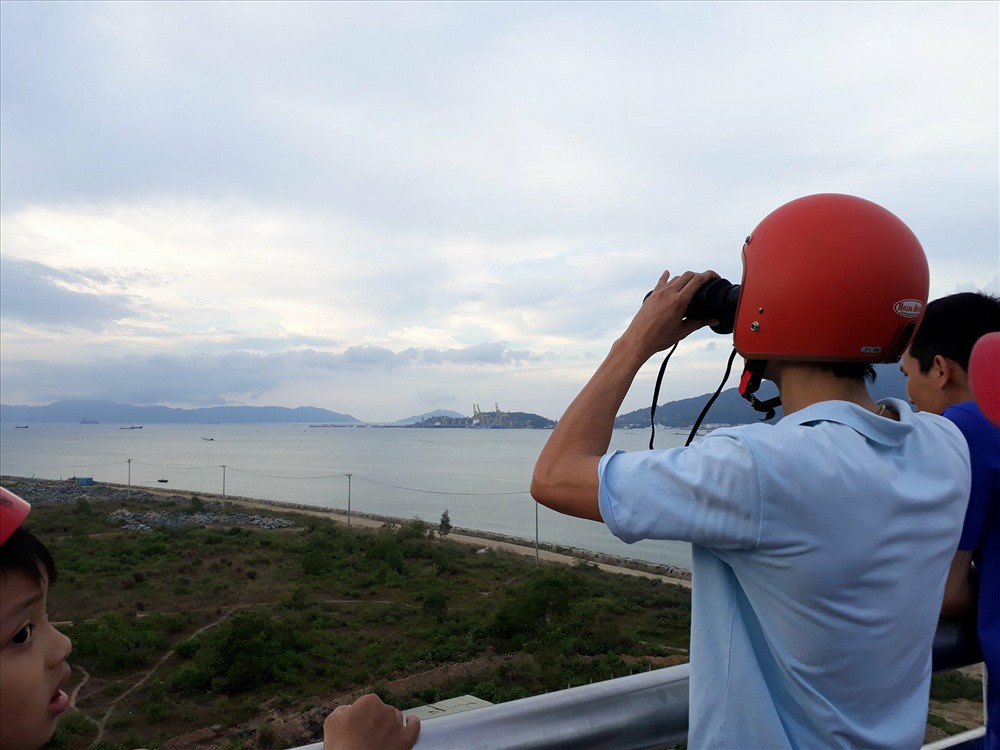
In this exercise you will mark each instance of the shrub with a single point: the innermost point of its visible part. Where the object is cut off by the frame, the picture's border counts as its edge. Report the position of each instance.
(435, 602)
(114, 642)
(74, 730)
(243, 653)
(953, 686)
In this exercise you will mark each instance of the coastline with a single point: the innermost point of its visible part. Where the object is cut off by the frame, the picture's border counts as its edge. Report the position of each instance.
(69, 491)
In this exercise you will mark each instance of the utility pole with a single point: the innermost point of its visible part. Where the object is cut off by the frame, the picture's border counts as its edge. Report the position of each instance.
(129, 475)
(348, 501)
(536, 535)
(223, 480)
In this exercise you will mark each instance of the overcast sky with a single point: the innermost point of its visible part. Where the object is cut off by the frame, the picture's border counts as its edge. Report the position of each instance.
(388, 208)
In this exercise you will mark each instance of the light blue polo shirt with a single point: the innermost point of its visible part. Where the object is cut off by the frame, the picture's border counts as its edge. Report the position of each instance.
(821, 548)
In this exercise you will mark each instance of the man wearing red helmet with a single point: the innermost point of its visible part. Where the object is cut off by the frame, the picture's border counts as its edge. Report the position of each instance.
(809, 625)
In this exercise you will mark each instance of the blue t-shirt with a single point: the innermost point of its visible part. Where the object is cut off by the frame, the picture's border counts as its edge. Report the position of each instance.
(821, 548)
(982, 535)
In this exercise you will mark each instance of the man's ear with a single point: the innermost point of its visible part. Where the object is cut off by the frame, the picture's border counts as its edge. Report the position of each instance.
(946, 372)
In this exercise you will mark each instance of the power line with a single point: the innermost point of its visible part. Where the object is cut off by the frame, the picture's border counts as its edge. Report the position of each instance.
(283, 476)
(439, 492)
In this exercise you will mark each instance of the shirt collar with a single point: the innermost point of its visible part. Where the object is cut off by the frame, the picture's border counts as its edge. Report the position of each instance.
(870, 425)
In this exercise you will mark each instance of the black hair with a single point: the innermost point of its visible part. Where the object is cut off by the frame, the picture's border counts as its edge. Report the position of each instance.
(952, 325)
(22, 553)
(850, 370)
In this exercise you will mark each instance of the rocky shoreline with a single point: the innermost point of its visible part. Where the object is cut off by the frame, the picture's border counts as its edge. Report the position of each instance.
(230, 511)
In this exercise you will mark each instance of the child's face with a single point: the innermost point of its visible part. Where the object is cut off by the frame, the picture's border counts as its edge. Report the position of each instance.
(33, 668)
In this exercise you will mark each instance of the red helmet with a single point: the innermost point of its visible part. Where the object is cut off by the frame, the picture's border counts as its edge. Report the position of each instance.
(12, 512)
(984, 374)
(830, 278)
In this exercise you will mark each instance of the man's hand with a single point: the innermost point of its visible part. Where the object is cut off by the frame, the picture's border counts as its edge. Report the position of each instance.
(660, 323)
(369, 724)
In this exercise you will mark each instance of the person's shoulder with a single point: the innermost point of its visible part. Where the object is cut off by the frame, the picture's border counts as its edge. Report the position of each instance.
(971, 421)
(964, 411)
(756, 437)
(740, 432)
(937, 424)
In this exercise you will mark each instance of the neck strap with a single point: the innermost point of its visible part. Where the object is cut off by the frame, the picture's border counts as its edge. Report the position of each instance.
(753, 374)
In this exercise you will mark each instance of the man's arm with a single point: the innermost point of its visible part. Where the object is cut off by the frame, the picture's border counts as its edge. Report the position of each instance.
(565, 476)
(959, 596)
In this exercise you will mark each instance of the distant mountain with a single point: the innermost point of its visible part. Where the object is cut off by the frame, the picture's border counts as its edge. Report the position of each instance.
(109, 411)
(731, 408)
(431, 415)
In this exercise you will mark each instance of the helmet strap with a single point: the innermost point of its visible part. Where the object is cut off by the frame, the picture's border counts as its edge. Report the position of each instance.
(753, 374)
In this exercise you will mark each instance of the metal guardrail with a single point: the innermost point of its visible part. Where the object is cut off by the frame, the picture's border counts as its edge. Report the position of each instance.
(974, 739)
(647, 711)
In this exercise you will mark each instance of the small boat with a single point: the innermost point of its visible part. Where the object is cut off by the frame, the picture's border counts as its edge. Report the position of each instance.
(208, 439)
(132, 427)
(163, 480)
(20, 427)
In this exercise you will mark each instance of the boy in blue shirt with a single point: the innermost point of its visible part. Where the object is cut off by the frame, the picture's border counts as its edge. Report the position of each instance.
(937, 380)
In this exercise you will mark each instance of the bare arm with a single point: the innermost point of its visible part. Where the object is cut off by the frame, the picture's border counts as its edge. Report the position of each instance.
(958, 594)
(369, 724)
(565, 476)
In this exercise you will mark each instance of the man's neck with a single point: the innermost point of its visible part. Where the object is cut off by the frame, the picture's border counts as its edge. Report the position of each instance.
(958, 393)
(802, 384)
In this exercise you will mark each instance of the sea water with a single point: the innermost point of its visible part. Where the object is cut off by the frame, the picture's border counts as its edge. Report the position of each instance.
(480, 477)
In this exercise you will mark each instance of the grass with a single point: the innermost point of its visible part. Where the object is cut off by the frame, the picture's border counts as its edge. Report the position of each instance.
(305, 616)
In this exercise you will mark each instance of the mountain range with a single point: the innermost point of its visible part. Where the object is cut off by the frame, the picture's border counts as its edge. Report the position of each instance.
(730, 408)
(110, 411)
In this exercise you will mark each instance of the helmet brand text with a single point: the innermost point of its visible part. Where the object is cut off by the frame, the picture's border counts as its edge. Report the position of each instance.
(908, 308)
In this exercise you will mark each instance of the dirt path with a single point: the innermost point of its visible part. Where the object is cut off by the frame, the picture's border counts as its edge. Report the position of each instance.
(102, 722)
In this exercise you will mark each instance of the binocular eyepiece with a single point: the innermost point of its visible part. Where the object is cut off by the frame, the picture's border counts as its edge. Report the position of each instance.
(716, 300)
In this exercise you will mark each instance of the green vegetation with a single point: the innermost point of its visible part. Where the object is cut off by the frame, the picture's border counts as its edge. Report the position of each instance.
(944, 725)
(181, 629)
(954, 686)
(254, 621)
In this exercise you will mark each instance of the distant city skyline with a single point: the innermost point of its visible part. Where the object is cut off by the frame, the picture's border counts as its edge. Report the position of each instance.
(385, 209)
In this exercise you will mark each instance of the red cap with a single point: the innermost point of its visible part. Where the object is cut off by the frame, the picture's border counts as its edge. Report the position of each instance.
(13, 511)
(984, 375)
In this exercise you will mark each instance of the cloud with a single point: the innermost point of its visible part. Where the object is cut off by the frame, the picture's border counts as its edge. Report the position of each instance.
(35, 293)
(223, 377)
